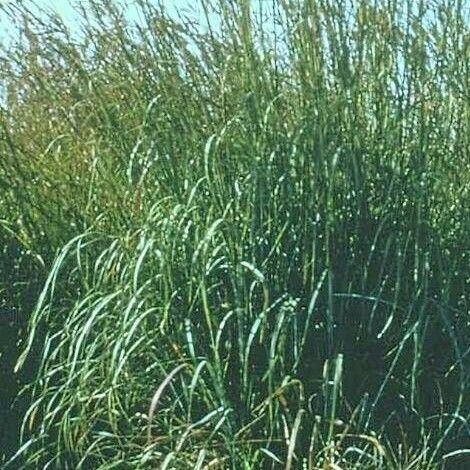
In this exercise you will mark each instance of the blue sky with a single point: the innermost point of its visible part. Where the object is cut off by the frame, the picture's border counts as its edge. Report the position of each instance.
(192, 7)
(66, 11)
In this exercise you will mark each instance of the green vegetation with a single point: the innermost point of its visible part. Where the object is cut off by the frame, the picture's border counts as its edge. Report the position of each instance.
(241, 245)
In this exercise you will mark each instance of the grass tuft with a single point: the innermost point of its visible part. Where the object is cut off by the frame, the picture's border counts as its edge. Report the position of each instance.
(235, 239)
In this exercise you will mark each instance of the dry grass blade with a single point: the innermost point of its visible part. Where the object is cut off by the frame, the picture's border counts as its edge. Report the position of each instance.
(156, 398)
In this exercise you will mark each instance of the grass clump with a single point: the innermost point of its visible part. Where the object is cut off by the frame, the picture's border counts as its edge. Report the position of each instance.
(246, 236)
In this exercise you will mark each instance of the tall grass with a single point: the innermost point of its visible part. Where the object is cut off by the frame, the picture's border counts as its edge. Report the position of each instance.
(240, 244)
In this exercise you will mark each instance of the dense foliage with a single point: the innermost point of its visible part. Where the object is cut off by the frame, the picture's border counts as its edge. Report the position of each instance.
(236, 240)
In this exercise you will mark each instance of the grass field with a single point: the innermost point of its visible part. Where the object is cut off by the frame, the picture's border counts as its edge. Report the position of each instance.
(244, 245)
